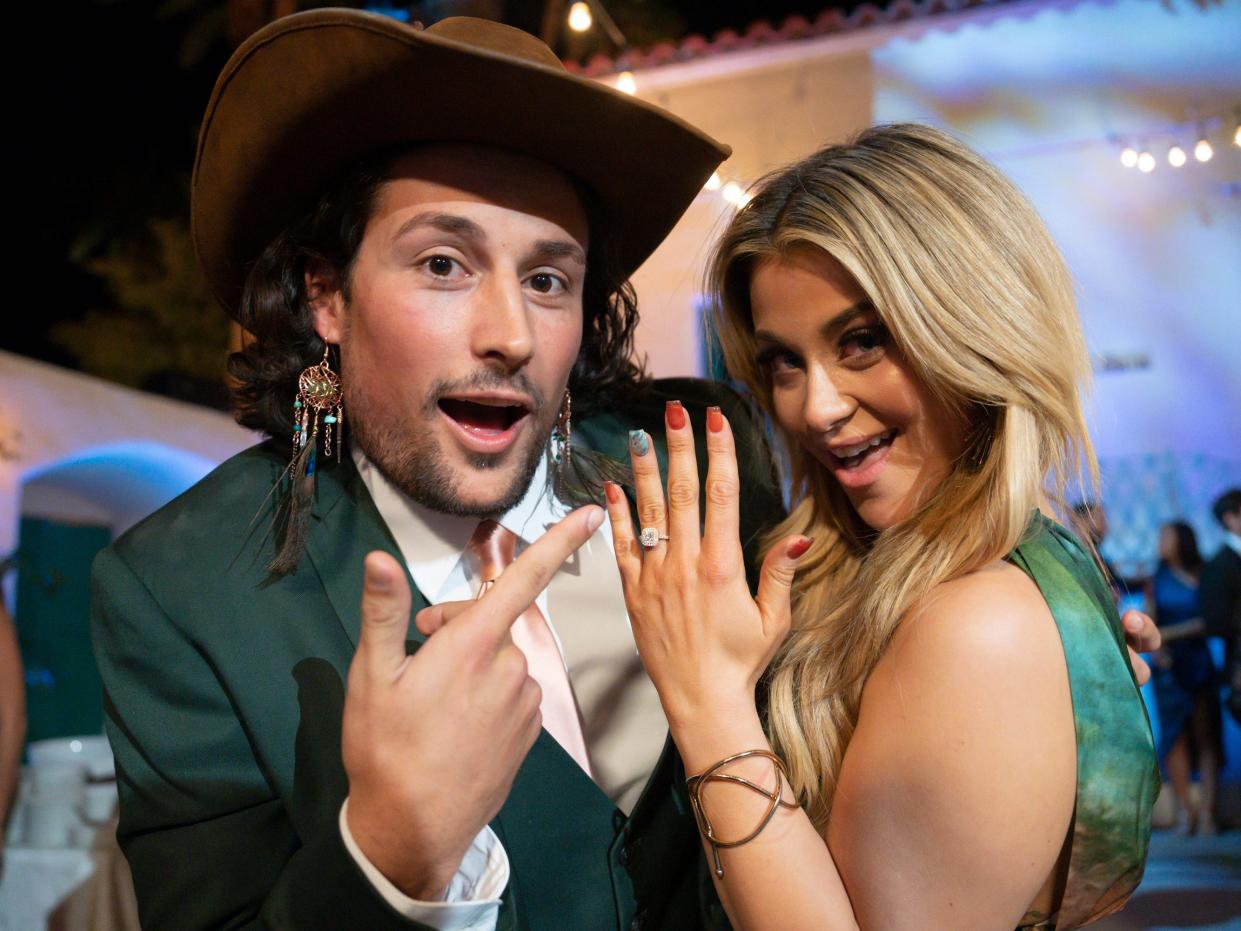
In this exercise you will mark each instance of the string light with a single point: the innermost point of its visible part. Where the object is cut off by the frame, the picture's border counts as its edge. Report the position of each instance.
(580, 18)
(1203, 150)
(1129, 157)
(625, 82)
(1146, 163)
(1176, 156)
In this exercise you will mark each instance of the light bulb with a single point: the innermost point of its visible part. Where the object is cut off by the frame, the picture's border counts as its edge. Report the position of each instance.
(1203, 151)
(1236, 135)
(1146, 163)
(1129, 157)
(625, 82)
(579, 17)
(714, 182)
(1176, 156)
(732, 192)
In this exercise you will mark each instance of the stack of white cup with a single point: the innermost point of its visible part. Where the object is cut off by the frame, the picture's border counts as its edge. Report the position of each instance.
(69, 791)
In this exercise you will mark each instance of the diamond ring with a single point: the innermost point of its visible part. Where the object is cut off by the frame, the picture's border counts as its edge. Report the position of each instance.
(650, 537)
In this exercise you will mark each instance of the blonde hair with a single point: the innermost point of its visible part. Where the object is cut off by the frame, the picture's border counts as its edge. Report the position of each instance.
(978, 300)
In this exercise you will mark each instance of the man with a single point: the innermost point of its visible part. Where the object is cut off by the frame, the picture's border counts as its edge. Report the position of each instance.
(1221, 593)
(452, 217)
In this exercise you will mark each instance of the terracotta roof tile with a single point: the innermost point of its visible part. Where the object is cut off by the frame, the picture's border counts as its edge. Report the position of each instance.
(762, 33)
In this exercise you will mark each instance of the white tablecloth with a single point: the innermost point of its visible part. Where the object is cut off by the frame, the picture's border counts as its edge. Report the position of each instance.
(68, 890)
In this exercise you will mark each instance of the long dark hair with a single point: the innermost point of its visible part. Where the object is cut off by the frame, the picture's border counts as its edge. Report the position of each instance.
(1187, 555)
(283, 341)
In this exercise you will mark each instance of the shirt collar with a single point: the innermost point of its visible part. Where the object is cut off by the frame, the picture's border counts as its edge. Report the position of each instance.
(433, 543)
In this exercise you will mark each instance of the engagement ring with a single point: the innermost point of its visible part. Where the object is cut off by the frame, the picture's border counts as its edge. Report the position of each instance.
(650, 537)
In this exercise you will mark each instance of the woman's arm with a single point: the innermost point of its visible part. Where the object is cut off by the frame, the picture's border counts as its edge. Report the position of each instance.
(957, 790)
(956, 795)
(12, 718)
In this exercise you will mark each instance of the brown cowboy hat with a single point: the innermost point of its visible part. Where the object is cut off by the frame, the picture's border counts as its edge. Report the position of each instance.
(304, 98)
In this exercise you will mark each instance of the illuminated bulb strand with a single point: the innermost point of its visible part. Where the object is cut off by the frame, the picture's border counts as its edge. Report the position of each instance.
(1177, 157)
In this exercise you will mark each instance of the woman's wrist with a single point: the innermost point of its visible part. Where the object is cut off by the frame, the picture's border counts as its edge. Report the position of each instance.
(708, 735)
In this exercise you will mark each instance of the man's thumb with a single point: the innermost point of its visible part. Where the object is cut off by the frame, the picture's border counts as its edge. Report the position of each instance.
(385, 613)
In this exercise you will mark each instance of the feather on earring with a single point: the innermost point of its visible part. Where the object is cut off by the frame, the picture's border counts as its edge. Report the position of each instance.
(318, 397)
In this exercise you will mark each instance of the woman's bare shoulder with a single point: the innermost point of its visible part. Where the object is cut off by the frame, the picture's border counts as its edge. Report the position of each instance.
(961, 772)
(995, 615)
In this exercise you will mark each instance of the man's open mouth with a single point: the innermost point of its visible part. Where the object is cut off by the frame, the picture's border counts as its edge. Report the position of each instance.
(485, 416)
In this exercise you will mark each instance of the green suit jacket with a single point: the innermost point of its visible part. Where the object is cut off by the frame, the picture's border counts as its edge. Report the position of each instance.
(223, 698)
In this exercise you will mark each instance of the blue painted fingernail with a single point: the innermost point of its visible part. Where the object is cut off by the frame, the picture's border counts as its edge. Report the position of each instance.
(639, 442)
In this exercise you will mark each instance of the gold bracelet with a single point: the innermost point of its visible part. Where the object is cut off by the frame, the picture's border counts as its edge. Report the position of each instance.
(712, 774)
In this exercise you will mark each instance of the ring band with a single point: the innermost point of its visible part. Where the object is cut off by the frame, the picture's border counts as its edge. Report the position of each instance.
(650, 537)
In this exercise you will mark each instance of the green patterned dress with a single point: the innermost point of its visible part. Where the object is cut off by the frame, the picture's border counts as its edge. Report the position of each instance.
(1117, 776)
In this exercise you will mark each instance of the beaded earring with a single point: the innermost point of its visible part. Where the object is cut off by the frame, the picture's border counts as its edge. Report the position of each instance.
(318, 398)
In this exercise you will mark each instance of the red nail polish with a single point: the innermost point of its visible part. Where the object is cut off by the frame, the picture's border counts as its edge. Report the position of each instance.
(676, 415)
(612, 490)
(798, 548)
(715, 420)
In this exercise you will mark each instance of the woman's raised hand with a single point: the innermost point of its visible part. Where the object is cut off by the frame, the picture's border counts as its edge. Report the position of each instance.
(704, 640)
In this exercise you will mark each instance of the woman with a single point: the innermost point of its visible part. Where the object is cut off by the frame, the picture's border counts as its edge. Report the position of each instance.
(960, 729)
(1186, 683)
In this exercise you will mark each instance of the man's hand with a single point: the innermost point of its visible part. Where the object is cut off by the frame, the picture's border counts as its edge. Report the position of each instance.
(1141, 636)
(431, 742)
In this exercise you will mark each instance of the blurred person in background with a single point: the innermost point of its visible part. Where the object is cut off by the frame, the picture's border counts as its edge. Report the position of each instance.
(1089, 522)
(1185, 679)
(1221, 593)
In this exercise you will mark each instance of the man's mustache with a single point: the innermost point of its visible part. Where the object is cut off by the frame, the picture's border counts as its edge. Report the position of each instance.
(484, 380)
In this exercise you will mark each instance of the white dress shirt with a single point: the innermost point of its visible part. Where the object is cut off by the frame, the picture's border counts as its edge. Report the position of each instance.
(600, 658)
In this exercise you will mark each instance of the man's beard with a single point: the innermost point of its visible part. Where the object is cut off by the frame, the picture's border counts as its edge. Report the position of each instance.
(415, 464)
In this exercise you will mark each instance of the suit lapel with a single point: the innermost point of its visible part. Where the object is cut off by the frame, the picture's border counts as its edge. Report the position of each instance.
(346, 527)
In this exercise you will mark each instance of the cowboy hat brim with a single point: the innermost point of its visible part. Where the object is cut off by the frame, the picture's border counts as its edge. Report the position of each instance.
(310, 95)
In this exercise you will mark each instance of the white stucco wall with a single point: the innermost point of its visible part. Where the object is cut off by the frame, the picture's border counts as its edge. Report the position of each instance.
(77, 448)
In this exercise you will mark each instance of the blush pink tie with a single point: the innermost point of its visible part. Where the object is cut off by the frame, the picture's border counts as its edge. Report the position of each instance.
(494, 547)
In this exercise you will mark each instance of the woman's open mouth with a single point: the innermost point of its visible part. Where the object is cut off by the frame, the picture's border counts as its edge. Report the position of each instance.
(485, 424)
(858, 463)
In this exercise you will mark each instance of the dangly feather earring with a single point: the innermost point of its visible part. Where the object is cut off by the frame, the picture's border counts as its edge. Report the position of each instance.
(562, 434)
(578, 475)
(318, 395)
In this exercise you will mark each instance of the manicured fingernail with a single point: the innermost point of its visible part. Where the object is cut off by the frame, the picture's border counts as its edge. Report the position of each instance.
(798, 548)
(715, 420)
(612, 490)
(676, 415)
(594, 518)
(639, 442)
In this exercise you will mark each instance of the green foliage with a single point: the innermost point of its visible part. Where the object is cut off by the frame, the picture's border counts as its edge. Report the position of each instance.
(164, 319)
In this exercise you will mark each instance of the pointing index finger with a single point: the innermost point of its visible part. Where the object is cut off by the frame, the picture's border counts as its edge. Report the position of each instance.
(518, 585)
